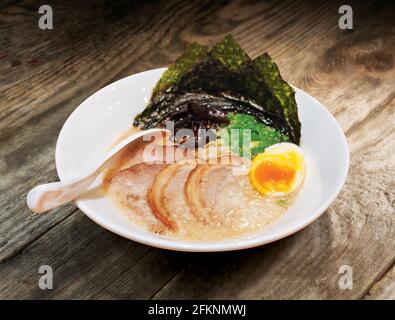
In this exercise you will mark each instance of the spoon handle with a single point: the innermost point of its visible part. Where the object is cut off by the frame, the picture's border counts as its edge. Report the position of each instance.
(47, 196)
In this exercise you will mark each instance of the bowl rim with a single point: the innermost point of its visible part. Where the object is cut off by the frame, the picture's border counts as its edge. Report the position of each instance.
(203, 246)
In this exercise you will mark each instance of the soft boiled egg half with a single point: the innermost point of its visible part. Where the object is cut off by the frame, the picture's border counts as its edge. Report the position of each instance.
(279, 170)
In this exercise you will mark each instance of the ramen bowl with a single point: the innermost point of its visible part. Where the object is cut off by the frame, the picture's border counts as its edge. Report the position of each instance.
(95, 124)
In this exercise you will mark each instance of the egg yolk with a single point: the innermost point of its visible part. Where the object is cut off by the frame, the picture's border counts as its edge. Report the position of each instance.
(269, 171)
(274, 172)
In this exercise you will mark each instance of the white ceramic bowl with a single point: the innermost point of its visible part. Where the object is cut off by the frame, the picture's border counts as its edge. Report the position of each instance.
(92, 128)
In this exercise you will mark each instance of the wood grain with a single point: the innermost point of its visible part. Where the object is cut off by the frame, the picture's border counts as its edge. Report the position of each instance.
(44, 75)
(88, 262)
(383, 289)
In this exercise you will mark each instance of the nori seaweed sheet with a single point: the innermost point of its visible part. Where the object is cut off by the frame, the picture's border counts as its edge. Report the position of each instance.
(283, 94)
(225, 71)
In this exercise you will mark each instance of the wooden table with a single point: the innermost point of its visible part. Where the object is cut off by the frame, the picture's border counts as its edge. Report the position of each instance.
(46, 74)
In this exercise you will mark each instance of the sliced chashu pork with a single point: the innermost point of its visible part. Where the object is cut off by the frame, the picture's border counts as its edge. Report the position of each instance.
(167, 198)
(198, 181)
(130, 186)
(218, 197)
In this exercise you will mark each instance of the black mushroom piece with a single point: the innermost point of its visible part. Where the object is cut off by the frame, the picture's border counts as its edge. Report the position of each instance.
(207, 113)
(200, 120)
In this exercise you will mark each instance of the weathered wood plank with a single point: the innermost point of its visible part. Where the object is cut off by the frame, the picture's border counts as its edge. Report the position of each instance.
(69, 87)
(87, 262)
(384, 289)
(44, 75)
(357, 230)
(27, 160)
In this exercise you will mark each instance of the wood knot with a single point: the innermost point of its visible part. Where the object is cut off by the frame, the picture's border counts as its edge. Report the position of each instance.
(372, 54)
(375, 61)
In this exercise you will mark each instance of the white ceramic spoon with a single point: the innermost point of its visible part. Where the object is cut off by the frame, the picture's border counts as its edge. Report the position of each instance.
(45, 197)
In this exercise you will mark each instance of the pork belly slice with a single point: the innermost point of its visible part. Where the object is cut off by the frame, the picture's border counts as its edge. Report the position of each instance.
(130, 186)
(166, 197)
(218, 197)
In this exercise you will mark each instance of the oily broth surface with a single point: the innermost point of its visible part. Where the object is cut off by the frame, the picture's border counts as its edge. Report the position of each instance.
(190, 228)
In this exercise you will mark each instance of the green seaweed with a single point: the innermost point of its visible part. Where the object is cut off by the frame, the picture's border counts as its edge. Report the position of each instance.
(261, 136)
